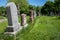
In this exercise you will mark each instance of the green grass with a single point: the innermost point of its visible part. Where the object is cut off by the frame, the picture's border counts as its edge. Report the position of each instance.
(3, 26)
(44, 28)
(1, 17)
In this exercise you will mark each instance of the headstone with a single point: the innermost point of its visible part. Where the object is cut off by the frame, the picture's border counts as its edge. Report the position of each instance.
(51, 13)
(18, 6)
(59, 13)
(35, 14)
(23, 20)
(38, 14)
(31, 16)
(13, 24)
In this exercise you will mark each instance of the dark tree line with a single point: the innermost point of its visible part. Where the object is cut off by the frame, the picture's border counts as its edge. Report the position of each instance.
(51, 8)
(2, 11)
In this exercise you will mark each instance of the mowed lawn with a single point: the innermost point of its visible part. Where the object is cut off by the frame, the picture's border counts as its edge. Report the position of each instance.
(44, 28)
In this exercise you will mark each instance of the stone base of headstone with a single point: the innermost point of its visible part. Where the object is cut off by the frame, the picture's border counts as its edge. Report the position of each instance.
(13, 29)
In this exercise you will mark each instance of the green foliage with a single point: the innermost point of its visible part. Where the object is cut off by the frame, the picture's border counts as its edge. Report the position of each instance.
(51, 7)
(23, 5)
(30, 7)
(38, 9)
(57, 5)
(48, 7)
(2, 11)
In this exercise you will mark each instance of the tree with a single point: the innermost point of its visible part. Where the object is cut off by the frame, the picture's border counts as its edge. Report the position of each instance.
(48, 8)
(21, 4)
(57, 6)
(2, 11)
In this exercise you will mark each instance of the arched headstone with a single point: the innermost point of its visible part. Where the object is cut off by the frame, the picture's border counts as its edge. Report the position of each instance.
(13, 24)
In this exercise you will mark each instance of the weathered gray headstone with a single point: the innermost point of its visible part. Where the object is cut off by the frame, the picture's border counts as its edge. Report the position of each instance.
(13, 24)
(23, 20)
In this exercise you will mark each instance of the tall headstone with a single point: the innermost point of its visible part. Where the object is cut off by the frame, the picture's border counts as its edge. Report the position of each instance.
(23, 20)
(31, 16)
(13, 24)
